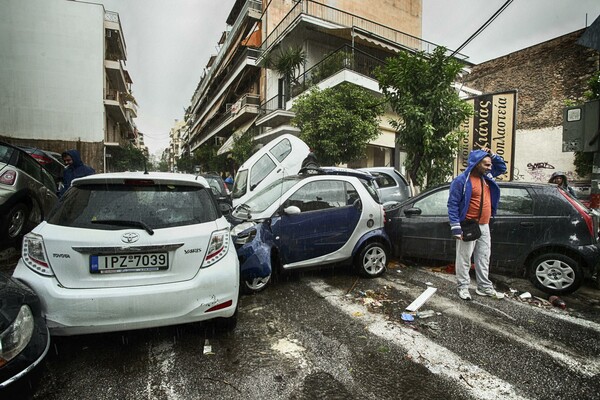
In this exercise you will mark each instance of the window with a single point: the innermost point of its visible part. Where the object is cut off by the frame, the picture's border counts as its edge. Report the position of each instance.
(260, 170)
(435, 204)
(240, 183)
(384, 180)
(158, 206)
(319, 195)
(281, 150)
(515, 201)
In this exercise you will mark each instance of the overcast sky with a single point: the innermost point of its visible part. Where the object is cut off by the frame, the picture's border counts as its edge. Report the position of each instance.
(170, 41)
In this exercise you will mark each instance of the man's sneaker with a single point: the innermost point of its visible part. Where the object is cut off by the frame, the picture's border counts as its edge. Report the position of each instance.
(464, 294)
(490, 292)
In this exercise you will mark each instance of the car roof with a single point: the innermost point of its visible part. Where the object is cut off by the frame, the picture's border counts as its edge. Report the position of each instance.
(157, 177)
(337, 171)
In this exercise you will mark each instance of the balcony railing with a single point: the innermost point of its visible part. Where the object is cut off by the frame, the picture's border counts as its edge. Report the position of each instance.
(342, 18)
(231, 110)
(346, 57)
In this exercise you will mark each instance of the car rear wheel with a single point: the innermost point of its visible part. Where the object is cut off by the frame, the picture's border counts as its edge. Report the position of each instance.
(372, 260)
(16, 221)
(555, 273)
(255, 285)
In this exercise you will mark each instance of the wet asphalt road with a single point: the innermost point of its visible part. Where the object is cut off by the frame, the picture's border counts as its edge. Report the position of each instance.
(328, 335)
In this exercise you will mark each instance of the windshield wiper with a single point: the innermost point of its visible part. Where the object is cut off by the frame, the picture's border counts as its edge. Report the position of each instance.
(123, 222)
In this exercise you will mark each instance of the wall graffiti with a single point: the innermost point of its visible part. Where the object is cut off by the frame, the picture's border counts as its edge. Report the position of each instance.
(539, 165)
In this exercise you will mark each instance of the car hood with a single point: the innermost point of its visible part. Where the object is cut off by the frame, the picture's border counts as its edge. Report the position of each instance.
(13, 295)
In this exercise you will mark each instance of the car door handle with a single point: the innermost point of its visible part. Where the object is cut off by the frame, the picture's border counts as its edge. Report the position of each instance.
(527, 224)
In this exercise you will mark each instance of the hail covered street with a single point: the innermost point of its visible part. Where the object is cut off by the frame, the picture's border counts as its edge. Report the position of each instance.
(329, 335)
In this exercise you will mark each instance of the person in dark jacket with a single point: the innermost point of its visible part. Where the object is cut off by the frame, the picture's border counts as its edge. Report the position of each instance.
(474, 194)
(560, 179)
(75, 169)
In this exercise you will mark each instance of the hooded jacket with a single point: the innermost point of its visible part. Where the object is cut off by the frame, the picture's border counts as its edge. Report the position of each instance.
(76, 170)
(565, 182)
(461, 189)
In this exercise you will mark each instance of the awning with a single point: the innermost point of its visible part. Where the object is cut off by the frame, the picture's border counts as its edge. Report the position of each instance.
(228, 145)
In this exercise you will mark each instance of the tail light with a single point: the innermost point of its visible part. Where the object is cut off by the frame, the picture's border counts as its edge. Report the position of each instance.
(42, 159)
(217, 247)
(584, 214)
(8, 177)
(34, 254)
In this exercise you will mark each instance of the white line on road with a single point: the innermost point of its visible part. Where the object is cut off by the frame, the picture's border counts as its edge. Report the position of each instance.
(434, 357)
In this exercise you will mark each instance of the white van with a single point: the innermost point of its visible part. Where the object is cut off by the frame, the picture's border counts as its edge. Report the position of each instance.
(282, 156)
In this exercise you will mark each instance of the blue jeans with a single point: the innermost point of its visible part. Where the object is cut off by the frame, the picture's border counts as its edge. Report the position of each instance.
(480, 249)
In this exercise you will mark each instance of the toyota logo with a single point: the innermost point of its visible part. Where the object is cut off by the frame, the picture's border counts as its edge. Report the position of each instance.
(130, 237)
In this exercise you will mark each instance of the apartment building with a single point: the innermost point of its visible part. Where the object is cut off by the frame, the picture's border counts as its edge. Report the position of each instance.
(344, 41)
(64, 79)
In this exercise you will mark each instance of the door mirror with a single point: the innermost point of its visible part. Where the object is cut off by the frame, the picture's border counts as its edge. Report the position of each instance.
(291, 210)
(412, 211)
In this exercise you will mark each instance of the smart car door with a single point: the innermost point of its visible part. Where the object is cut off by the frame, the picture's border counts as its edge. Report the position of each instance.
(328, 216)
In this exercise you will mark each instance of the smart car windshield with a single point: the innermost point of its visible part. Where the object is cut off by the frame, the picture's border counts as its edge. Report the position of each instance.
(269, 195)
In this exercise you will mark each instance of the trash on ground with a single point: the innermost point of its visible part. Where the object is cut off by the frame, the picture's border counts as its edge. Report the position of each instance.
(357, 314)
(525, 295)
(425, 314)
(429, 283)
(207, 348)
(419, 301)
(408, 317)
(557, 302)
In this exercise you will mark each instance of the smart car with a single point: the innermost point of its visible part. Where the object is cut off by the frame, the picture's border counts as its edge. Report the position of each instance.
(132, 250)
(309, 220)
(539, 231)
(24, 337)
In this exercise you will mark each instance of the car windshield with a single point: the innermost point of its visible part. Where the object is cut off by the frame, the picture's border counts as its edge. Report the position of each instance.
(269, 195)
(5, 153)
(94, 206)
(240, 184)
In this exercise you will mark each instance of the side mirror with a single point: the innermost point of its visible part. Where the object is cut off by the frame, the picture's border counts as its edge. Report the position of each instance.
(225, 208)
(291, 210)
(412, 211)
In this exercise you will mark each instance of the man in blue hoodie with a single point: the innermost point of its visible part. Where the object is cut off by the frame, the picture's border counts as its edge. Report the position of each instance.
(75, 169)
(474, 195)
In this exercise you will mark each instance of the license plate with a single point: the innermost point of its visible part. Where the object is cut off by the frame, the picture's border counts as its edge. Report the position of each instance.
(111, 264)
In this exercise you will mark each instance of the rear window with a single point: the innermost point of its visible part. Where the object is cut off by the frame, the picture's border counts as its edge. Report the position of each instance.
(157, 206)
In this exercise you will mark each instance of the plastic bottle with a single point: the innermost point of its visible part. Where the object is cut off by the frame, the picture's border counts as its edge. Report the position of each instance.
(557, 302)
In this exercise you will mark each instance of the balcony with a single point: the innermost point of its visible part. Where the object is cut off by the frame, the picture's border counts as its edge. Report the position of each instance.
(346, 64)
(113, 102)
(250, 12)
(326, 17)
(117, 75)
(236, 114)
(115, 43)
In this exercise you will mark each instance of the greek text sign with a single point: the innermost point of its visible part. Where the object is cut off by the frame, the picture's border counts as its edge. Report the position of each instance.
(493, 126)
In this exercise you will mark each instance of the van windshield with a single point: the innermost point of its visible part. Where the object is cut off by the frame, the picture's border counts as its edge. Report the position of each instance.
(240, 184)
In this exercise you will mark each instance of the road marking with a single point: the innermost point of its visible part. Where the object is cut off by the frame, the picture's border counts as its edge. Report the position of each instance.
(437, 359)
(576, 363)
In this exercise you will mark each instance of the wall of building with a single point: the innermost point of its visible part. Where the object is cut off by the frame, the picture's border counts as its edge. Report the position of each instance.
(546, 76)
(52, 85)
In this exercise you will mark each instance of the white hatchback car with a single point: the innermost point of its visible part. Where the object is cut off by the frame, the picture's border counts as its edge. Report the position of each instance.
(132, 250)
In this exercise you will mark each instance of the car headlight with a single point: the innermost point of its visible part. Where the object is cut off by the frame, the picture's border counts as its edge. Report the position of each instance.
(244, 232)
(16, 337)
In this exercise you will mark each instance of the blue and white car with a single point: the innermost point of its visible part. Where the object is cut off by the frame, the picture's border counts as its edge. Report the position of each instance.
(323, 217)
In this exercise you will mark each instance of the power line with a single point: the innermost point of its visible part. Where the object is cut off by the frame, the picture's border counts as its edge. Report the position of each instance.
(485, 25)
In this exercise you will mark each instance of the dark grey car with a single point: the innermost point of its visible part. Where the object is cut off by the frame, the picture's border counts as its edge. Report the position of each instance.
(27, 192)
(539, 231)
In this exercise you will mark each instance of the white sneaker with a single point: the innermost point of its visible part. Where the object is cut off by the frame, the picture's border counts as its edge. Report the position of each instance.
(490, 292)
(464, 294)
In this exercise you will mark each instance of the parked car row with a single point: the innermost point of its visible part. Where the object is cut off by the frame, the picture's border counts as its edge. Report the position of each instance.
(139, 250)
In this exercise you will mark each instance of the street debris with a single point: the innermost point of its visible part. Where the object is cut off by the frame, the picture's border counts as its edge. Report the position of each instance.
(419, 301)
(207, 348)
(525, 295)
(425, 314)
(557, 302)
(409, 317)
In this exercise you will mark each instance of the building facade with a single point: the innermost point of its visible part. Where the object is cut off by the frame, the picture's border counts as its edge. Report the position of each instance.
(547, 77)
(344, 41)
(63, 78)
